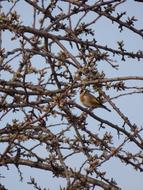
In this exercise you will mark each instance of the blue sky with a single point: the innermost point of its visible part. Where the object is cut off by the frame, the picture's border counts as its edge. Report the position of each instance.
(106, 33)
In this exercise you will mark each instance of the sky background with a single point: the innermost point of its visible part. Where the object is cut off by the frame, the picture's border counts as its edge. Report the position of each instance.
(105, 33)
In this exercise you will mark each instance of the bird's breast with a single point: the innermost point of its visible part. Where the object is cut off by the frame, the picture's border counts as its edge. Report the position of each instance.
(86, 101)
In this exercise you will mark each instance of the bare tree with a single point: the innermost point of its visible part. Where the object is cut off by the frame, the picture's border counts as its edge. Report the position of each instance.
(43, 66)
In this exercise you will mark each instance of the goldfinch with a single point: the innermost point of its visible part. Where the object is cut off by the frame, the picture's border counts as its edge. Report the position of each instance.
(88, 100)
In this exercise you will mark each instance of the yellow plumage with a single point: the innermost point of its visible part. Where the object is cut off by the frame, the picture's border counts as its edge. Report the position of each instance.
(88, 100)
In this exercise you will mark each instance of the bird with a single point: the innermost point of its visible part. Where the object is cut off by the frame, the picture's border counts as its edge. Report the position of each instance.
(88, 100)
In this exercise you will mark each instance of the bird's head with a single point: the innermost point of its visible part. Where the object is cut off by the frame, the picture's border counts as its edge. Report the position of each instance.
(82, 90)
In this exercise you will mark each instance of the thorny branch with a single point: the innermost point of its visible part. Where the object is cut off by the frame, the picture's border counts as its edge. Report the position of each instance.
(42, 68)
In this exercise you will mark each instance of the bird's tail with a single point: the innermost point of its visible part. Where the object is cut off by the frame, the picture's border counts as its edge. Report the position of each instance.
(106, 108)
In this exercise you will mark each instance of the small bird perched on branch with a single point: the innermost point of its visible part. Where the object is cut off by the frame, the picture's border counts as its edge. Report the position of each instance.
(88, 100)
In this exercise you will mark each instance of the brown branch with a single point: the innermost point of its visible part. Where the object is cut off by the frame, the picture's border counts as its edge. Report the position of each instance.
(45, 34)
(60, 171)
